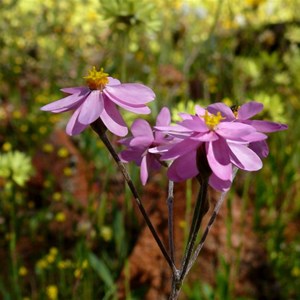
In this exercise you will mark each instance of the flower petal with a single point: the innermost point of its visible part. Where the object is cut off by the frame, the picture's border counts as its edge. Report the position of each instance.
(138, 109)
(74, 126)
(260, 148)
(249, 109)
(91, 108)
(223, 109)
(141, 142)
(113, 81)
(218, 159)
(113, 119)
(131, 155)
(233, 130)
(65, 104)
(164, 117)
(131, 93)
(141, 127)
(76, 90)
(219, 184)
(144, 170)
(183, 167)
(244, 158)
(180, 149)
(266, 126)
(196, 124)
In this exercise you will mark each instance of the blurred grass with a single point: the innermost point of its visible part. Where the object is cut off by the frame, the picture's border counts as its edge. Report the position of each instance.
(186, 51)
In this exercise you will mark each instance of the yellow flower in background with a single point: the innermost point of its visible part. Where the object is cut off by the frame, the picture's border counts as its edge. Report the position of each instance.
(6, 146)
(63, 152)
(48, 148)
(23, 271)
(68, 171)
(57, 196)
(60, 217)
(106, 233)
(42, 264)
(52, 292)
(77, 273)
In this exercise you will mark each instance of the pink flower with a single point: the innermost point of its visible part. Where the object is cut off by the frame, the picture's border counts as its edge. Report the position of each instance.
(220, 145)
(99, 100)
(243, 114)
(142, 140)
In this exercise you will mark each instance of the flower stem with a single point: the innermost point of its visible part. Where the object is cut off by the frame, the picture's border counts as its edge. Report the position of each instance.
(199, 211)
(99, 127)
(208, 227)
(170, 219)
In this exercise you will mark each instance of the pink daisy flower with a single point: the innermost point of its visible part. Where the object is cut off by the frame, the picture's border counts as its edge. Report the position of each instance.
(99, 100)
(243, 114)
(221, 145)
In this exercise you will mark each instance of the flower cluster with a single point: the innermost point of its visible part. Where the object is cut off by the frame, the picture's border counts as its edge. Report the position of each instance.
(210, 143)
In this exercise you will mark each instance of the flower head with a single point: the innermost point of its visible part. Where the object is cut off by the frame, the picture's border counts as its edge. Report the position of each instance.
(99, 100)
(243, 114)
(212, 138)
(142, 140)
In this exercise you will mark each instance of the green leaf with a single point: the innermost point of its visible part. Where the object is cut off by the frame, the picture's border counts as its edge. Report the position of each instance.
(101, 269)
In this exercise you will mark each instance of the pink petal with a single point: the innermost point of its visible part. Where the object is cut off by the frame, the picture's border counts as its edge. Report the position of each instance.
(113, 81)
(255, 136)
(244, 158)
(144, 170)
(76, 90)
(91, 108)
(164, 117)
(183, 167)
(219, 184)
(131, 155)
(141, 142)
(180, 149)
(200, 111)
(223, 109)
(196, 124)
(138, 109)
(131, 93)
(266, 126)
(249, 109)
(185, 116)
(65, 104)
(218, 159)
(260, 148)
(233, 130)
(74, 126)
(113, 120)
(205, 137)
(141, 127)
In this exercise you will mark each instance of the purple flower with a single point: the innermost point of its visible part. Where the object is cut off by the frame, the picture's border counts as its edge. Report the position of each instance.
(210, 140)
(143, 138)
(99, 100)
(243, 114)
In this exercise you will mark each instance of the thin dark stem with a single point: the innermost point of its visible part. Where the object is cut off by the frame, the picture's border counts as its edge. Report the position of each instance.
(199, 212)
(208, 227)
(170, 201)
(99, 127)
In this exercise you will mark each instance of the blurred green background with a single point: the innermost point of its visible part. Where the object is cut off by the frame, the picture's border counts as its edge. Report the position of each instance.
(65, 230)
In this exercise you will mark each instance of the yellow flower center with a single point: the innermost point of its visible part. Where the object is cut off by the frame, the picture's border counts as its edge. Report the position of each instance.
(212, 120)
(96, 80)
